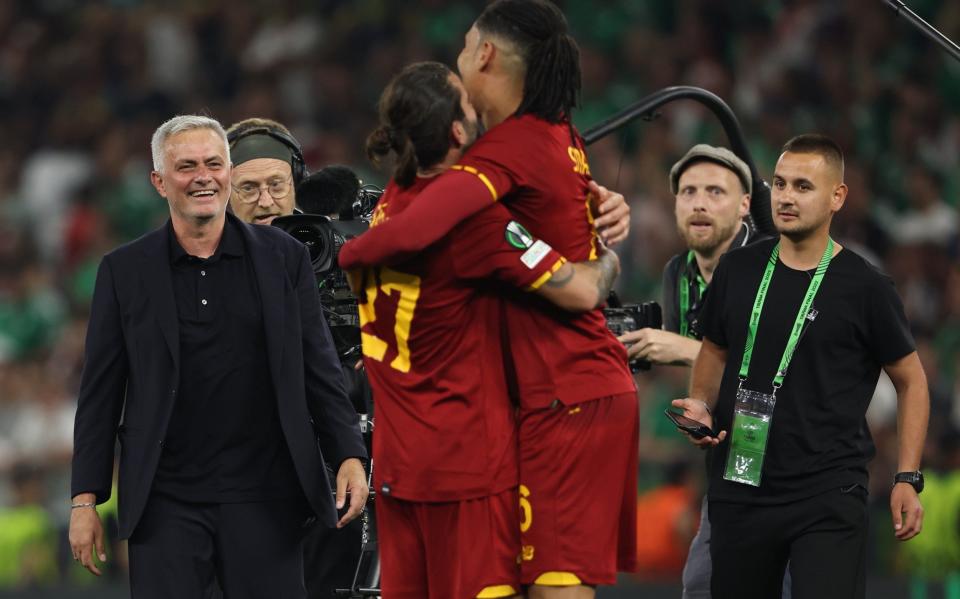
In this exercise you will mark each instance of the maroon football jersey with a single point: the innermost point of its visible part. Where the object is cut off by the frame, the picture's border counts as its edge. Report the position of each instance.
(432, 345)
(539, 171)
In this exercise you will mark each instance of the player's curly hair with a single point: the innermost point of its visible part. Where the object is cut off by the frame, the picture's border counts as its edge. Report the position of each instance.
(538, 31)
(417, 109)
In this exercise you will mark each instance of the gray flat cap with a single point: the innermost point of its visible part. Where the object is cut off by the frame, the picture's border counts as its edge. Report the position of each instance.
(718, 155)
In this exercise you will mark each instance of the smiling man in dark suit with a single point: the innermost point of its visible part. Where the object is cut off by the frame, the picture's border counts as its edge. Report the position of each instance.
(206, 338)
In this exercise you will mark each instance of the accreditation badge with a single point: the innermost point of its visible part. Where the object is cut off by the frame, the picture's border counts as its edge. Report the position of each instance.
(752, 418)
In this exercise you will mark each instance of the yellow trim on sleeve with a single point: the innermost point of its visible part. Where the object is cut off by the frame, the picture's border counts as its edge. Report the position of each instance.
(483, 178)
(558, 579)
(593, 230)
(546, 276)
(496, 592)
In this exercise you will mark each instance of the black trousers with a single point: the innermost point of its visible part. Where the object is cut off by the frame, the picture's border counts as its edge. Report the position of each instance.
(823, 537)
(330, 558)
(193, 550)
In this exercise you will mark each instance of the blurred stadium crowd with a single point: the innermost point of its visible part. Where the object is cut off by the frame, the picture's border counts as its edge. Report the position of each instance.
(84, 83)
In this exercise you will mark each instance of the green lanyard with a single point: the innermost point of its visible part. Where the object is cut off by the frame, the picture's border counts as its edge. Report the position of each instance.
(685, 294)
(802, 314)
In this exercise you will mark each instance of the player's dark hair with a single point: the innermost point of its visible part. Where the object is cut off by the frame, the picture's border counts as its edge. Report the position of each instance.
(816, 143)
(329, 191)
(538, 31)
(417, 109)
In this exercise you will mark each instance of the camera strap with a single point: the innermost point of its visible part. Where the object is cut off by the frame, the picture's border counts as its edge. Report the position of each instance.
(691, 262)
(802, 314)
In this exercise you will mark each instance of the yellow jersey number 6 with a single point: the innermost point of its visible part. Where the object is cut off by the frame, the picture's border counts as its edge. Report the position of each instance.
(408, 286)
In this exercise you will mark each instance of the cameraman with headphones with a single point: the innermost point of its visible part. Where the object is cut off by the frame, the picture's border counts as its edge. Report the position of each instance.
(712, 189)
(268, 167)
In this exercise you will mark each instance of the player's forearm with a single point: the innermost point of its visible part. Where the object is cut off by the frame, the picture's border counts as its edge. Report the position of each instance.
(608, 269)
(707, 372)
(437, 210)
(582, 286)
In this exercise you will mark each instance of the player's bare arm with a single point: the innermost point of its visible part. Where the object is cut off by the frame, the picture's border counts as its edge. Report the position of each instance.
(582, 286)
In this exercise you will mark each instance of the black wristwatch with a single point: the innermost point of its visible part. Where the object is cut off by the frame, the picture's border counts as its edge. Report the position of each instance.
(914, 479)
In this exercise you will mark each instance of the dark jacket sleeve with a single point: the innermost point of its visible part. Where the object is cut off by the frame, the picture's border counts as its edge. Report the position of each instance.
(671, 309)
(334, 418)
(102, 391)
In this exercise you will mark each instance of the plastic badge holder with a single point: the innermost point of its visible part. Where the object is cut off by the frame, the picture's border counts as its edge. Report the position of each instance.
(751, 428)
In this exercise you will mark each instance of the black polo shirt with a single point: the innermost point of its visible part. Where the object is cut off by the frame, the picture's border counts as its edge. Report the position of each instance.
(224, 443)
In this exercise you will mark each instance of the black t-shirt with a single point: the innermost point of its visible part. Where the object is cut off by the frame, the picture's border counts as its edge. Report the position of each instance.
(819, 437)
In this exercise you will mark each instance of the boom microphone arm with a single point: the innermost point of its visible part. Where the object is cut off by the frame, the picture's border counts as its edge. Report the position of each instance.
(646, 107)
(925, 28)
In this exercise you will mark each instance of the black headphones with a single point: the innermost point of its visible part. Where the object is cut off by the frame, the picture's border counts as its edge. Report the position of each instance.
(297, 164)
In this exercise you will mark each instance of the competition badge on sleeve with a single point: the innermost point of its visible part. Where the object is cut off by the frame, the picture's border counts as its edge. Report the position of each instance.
(518, 237)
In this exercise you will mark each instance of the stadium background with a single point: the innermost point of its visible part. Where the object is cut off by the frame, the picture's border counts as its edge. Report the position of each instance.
(83, 85)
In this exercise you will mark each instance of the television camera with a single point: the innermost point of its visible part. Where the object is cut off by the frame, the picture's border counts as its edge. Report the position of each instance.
(324, 236)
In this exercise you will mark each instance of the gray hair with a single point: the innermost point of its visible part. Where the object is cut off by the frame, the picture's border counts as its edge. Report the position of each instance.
(179, 124)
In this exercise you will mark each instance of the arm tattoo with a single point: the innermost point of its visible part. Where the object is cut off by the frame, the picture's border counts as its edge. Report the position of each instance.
(607, 266)
(603, 270)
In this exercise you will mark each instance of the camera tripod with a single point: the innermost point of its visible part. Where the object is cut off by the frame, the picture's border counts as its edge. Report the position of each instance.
(366, 577)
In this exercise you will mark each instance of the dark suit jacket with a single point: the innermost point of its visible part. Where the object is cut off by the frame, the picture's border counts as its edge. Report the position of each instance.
(132, 370)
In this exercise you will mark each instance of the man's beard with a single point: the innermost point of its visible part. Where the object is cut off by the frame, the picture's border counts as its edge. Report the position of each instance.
(708, 245)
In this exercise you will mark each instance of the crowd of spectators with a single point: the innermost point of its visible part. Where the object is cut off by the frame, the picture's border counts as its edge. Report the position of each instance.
(83, 84)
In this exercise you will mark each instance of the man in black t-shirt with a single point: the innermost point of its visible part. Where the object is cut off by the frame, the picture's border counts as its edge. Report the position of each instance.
(791, 375)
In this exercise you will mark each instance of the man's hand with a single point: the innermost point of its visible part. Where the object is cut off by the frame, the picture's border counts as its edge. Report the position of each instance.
(86, 533)
(352, 479)
(906, 511)
(611, 214)
(697, 410)
(660, 347)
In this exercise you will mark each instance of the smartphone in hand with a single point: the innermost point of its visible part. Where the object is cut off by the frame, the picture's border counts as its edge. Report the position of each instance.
(695, 428)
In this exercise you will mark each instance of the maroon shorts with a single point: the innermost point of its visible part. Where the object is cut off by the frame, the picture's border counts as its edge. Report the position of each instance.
(449, 550)
(578, 492)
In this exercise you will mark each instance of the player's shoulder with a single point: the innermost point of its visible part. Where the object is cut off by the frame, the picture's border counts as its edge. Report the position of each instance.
(516, 131)
(396, 198)
(491, 222)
